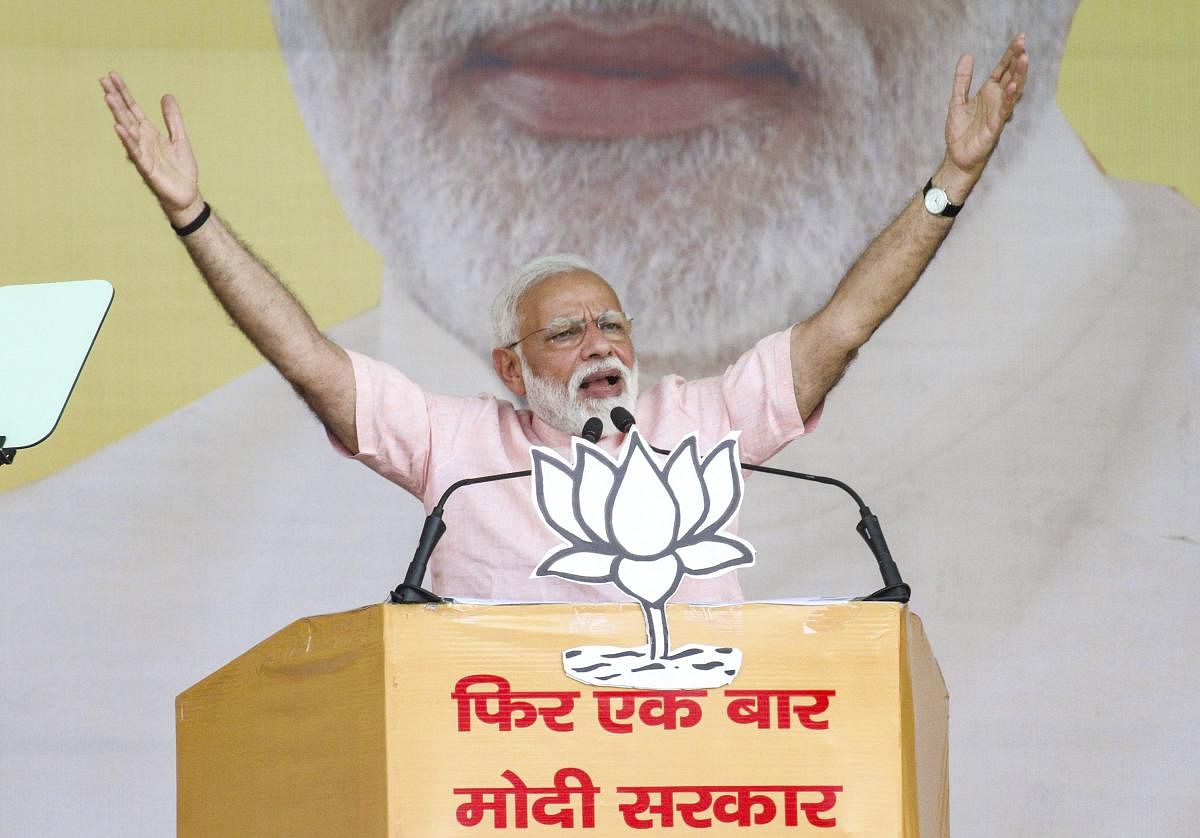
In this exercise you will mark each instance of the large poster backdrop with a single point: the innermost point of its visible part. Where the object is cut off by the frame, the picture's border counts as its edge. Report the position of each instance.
(1024, 424)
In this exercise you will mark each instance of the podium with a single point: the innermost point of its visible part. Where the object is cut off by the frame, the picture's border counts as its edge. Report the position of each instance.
(458, 720)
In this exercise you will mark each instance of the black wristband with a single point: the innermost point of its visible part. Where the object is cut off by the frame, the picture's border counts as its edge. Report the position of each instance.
(196, 223)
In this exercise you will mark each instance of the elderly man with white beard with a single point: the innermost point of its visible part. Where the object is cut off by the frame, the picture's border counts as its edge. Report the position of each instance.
(1025, 424)
(564, 341)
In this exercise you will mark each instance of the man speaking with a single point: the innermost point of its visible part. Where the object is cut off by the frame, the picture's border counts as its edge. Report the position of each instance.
(564, 340)
(1025, 422)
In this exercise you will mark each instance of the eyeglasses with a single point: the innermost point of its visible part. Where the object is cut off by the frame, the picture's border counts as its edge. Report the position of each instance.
(568, 332)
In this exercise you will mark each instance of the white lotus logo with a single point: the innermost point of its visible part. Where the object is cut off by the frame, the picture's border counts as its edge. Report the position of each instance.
(642, 527)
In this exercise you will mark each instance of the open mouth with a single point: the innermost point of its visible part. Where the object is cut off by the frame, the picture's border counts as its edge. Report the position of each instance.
(606, 78)
(602, 385)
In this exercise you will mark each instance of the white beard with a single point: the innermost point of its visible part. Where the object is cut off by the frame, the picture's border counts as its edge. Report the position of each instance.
(730, 231)
(562, 407)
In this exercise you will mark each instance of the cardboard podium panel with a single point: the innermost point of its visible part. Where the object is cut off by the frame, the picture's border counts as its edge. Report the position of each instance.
(458, 720)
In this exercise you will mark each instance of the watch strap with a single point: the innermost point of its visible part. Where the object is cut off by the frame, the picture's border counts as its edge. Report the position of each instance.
(950, 210)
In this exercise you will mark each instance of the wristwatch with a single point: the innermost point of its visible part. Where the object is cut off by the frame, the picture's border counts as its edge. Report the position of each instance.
(938, 202)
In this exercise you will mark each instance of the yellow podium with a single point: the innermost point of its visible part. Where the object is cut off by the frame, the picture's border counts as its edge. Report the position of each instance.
(426, 721)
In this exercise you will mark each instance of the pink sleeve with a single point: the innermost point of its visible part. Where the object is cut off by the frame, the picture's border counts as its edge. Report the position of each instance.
(754, 395)
(391, 416)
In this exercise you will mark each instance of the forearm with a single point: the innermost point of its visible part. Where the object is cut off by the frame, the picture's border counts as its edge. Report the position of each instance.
(824, 344)
(877, 282)
(887, 270)
(253, 296)
(274, 321)
(259, 304)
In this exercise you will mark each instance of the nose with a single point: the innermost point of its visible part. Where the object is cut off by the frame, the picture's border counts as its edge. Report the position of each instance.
(595, 344)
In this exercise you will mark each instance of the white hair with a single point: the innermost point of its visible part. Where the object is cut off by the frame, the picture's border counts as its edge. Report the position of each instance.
(529, 275)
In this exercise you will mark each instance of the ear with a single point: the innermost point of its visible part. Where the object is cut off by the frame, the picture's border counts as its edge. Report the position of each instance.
(508, 367)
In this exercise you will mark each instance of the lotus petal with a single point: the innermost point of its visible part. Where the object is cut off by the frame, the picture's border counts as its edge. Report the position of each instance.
(643, 519)
(594, 480)
(578, 565)
(723, 479)
(651, 580)
(714, 556)
(683, 478)
(554, 494)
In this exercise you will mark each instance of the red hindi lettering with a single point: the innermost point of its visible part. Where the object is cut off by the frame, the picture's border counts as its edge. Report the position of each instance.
(743, 805)
(693, 813)
(668, 710)
(820, 703)
(754, 707)
(495, 801)
(608, 717)
(568, 782)
(813, 810)
(749, 707)
(700, 806)
(497, 704)
(643, 803)
(551, 805)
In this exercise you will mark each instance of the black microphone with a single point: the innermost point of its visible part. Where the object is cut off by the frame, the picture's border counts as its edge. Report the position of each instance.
(894, 589)
(623, 420)
(434, 528)
(592, 429)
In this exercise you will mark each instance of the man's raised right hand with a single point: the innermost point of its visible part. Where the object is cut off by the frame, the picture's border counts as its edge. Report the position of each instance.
(166, 164)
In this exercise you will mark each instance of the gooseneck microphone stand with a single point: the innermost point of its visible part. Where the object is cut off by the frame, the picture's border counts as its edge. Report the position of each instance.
(894, 589)
(410, 589)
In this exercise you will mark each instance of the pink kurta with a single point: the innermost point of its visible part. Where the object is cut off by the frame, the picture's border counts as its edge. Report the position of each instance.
(494, 538)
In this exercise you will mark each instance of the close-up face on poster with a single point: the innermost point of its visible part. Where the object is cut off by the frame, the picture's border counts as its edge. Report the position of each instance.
(1023, 422)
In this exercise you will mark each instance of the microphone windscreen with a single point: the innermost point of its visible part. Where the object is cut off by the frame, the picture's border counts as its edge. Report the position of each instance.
(592, 429)
(622, 419)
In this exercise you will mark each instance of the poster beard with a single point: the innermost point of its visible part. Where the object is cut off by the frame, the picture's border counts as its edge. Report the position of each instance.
(721, 233)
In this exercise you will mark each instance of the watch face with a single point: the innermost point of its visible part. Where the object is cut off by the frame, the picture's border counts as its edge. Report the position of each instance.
(936, 200)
